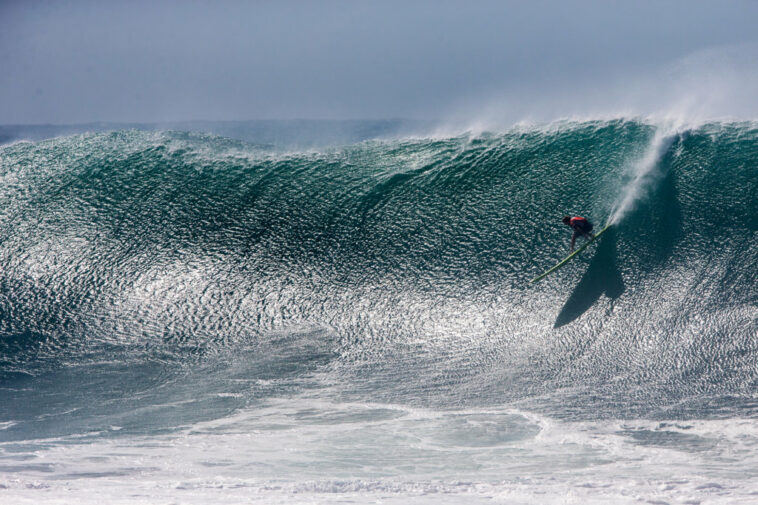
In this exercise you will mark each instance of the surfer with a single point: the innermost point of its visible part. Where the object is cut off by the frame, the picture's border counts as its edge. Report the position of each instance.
(581, 227)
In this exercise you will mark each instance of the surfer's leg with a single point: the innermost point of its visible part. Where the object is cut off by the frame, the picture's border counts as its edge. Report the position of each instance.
(587, 231)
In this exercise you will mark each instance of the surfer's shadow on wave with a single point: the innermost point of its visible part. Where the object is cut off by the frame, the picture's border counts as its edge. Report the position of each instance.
(601, 278)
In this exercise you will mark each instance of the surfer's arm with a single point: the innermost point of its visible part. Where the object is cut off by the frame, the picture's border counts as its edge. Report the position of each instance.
(573, 239)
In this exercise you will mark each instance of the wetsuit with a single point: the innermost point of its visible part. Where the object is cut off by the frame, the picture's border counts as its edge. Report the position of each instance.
(580, 224)
(581, 227)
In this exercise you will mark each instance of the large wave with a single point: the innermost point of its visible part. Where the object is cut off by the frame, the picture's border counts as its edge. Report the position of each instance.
(399, 267)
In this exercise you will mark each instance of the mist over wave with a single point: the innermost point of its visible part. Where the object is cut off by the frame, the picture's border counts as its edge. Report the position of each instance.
(643, 175)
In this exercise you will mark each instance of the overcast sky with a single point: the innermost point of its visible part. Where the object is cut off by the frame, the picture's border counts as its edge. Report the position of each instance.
(69, 61)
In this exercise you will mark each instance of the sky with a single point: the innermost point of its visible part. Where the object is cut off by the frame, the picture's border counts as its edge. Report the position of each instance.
(65, 62)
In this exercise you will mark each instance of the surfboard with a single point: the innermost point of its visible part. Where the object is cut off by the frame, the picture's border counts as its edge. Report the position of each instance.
(572, 255)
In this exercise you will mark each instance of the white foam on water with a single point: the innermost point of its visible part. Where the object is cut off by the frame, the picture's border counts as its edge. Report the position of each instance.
(319, 451)
(7, 424)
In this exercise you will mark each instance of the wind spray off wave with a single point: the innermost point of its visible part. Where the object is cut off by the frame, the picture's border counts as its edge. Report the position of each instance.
(644, 174)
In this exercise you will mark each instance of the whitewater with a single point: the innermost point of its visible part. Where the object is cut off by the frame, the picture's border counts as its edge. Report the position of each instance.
(235, 315)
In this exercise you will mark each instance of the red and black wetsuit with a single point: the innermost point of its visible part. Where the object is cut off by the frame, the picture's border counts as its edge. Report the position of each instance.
(580, 224)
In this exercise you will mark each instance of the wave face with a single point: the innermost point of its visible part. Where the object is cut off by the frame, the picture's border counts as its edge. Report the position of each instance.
(393, 260)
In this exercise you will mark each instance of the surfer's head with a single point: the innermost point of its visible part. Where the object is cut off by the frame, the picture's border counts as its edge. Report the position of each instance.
(566, 220)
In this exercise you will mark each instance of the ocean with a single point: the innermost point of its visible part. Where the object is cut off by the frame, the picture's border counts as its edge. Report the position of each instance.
(341, 312)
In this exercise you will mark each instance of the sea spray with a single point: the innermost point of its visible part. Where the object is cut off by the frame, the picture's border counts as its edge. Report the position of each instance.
(644, 173)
